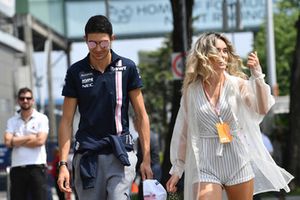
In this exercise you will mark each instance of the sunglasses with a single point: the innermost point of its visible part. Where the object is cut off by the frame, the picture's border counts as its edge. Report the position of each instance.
(104, 44)
(23, 98)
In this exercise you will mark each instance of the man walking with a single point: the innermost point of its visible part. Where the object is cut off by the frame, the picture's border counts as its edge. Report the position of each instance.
(26, 134)
(102, 85)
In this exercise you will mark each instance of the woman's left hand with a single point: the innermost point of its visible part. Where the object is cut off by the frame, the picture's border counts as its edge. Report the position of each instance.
(253, 61)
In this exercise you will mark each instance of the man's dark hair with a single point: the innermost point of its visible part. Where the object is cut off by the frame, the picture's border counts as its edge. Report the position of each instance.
(98, 24)
(24, 90)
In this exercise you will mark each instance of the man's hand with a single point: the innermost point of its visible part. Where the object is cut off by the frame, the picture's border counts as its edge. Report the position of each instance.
(146, 171)
(63, 180)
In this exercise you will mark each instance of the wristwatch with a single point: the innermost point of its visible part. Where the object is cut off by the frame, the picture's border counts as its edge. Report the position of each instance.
(61, 163)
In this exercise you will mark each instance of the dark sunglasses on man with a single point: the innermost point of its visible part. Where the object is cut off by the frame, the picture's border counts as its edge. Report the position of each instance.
(23, 98)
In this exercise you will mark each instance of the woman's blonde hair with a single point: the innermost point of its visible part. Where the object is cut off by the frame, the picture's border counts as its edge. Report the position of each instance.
(198, 66)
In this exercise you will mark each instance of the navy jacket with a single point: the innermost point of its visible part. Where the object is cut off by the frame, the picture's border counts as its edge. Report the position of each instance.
(90, 148)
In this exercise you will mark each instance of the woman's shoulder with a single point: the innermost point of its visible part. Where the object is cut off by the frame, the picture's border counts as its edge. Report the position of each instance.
(236, 80)
(194, 85)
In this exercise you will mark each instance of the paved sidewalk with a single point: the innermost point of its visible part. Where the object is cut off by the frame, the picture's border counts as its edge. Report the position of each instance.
(3, 195)
(287, 198)
(54, 197)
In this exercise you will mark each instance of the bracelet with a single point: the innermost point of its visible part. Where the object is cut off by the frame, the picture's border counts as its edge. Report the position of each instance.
(61, 163)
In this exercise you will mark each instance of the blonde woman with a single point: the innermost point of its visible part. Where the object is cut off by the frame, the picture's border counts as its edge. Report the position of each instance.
(216, 139)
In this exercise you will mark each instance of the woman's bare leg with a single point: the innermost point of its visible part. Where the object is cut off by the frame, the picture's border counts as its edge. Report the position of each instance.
(208, 191)
(240, 191)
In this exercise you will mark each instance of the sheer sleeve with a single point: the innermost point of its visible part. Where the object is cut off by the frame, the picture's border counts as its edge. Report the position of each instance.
(255, 93)
(253, 101)
(178, 142)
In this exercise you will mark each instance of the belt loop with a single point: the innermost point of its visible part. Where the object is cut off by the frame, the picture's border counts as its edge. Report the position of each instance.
(129, 139)
(77, 144)
(126, 139)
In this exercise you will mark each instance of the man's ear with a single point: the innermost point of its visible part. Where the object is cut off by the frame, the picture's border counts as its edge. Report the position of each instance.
(84, 37)
(112, 37)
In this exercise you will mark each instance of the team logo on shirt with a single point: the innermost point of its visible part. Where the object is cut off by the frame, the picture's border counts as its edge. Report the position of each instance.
(122, 68)
(87, 79)
(118, 67)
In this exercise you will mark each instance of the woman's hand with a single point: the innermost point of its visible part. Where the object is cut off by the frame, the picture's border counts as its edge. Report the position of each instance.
(254, 65)
(171, 184)
(253, 61)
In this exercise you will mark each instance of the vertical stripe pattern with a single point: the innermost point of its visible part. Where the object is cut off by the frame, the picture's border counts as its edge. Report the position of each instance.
(233, 165)
(119, 98)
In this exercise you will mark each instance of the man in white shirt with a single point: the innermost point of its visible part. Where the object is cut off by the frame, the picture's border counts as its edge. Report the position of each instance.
(26, 134)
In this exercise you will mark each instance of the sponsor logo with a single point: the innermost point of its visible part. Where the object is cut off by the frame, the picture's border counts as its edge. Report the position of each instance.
(87, 79)
(122, 68)
(83, 75)
(119, 66)
(87, 85)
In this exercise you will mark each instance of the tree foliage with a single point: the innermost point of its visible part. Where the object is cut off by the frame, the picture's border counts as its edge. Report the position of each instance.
(287, 43)
(162, 93)
(157, 79)
(177, 42)
(285, 17)
(293, 152)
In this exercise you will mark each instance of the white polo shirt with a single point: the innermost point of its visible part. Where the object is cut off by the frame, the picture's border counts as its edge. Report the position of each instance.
(17, 126)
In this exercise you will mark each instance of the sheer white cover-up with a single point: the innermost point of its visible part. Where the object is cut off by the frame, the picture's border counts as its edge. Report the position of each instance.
(246, 99)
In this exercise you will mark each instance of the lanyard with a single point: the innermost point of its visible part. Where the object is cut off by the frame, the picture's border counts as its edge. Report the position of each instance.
(217, 107)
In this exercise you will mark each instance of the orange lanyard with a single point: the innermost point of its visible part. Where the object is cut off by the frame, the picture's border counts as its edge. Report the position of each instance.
(216, 108)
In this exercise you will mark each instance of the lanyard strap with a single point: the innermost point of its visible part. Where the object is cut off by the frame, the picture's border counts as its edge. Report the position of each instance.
(216, 108)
